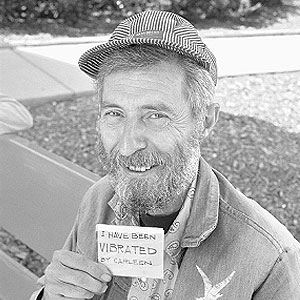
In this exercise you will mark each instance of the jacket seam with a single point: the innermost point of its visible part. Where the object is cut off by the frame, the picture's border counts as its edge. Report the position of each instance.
(276, 264)
(242, 216)
(278, 288)
(278, 260)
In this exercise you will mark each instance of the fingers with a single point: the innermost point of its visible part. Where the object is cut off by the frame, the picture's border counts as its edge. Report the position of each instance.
(72, 275)
(66, 281)
(80, 262)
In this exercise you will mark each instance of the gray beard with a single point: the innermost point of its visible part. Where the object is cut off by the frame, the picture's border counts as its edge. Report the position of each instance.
(171, 179)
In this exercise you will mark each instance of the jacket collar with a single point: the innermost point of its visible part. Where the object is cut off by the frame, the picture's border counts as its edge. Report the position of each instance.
(203, 218)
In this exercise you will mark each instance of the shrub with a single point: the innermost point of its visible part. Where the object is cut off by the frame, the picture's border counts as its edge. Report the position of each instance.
(71, 11)
(28, 10)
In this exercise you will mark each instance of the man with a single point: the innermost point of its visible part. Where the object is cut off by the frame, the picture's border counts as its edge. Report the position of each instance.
(155, 80)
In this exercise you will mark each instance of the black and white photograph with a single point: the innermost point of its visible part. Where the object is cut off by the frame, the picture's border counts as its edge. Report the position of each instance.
(150, 150)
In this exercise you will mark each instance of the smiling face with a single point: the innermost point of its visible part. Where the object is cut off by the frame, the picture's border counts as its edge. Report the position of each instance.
(147, 137)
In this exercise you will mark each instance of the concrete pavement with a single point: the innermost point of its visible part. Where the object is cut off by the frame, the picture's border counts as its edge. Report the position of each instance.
(50, 72)
(256, 54)
(34, 78)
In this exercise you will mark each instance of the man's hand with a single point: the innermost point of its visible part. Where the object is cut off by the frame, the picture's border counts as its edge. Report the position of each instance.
(73, 276)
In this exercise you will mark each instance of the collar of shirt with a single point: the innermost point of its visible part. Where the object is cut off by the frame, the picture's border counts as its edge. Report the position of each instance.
(205, 207)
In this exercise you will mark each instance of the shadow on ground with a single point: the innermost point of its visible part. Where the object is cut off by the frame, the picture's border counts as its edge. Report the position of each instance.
(261, 160)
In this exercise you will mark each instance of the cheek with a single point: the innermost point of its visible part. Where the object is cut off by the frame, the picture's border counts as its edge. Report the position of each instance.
(110, 138)
(168, 140)
(163, 141)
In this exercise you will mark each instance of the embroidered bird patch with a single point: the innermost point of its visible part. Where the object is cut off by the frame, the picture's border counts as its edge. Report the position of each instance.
(212, 292)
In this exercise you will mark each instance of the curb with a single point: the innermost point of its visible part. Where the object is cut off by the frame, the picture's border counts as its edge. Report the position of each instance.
(253, 33)
(56, 41)
(104, 38)
(56, 98)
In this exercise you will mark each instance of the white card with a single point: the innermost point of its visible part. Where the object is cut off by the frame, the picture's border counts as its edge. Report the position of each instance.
(131, 251)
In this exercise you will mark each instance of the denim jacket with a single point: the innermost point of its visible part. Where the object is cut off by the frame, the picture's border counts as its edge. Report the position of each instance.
(235, 249)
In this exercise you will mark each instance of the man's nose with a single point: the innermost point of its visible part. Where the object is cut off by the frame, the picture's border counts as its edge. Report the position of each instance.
(132, 139)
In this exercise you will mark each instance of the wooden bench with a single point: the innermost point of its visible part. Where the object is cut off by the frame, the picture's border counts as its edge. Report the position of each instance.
(39, 197)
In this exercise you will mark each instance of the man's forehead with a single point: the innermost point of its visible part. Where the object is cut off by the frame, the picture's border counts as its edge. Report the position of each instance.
(164, 78)
(161, 68)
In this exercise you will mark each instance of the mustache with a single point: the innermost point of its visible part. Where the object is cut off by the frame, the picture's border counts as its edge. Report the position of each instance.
(112, 162)
(141, 158)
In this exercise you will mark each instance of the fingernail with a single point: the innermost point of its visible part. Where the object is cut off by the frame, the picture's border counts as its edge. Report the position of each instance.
(104, 289)
(106, 277)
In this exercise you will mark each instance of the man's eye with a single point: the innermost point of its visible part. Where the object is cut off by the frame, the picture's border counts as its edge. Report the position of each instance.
(112, 114)
(112, 117)
(156, 116)
(157, 120)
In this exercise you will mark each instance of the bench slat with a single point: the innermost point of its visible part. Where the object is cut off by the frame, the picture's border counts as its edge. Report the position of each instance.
(39, 194)
(16, 282)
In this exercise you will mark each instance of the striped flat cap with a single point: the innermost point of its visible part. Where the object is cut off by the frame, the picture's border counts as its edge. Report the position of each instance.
(159, 28)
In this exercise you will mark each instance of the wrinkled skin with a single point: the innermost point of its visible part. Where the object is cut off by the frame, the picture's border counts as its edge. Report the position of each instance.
(147, 138)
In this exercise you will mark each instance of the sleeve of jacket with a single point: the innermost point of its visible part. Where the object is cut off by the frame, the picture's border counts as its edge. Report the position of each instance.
(283, 281)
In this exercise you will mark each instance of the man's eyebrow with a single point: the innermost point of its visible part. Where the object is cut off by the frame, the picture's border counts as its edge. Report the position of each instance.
(158, 107)
(104, 104)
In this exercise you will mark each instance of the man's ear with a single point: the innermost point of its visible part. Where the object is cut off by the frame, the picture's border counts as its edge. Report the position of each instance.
(211, 118)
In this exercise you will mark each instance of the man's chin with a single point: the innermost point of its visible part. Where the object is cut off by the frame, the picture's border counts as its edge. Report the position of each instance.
(139, 194)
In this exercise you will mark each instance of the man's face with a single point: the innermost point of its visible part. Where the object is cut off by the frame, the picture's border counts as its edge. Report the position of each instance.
(146, 137)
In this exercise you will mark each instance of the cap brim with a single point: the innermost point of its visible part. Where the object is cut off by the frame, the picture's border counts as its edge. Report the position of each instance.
(90, 61)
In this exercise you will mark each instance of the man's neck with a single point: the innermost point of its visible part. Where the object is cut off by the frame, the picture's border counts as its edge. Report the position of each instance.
(164, 221)
(170, 207)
